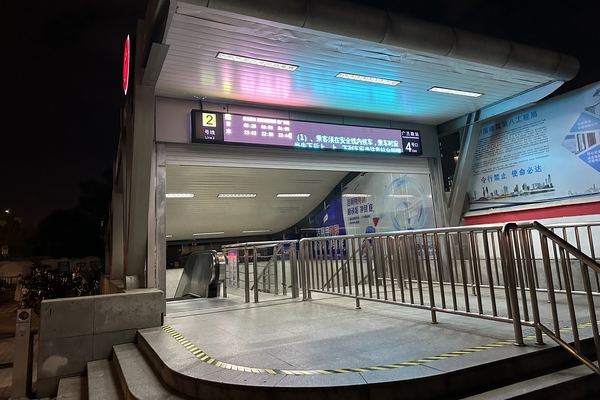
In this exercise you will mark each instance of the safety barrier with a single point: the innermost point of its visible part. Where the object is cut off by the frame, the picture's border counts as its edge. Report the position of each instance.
(542, 260)
(268, 267)
(9, 282)
(493, 272)
(524, 274)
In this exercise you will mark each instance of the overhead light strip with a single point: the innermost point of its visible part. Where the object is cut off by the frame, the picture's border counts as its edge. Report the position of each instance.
(207, 233)
(364, 78)
(236, 195)
(293, 195)
(257, 231)
(256, 61)
(179, 195)
(454, 91)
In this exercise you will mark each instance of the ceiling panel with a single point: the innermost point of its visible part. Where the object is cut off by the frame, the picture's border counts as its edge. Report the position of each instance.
(207, 213)
(197, 34)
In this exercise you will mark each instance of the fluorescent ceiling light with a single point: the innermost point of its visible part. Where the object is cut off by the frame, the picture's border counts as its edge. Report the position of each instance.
(179, 195)
(237, 195)
(169, 235)
(367, 79)
(293, 195)
(207, 233)
(256, 61)
(454, 91)
(257, 231)
(356, 195)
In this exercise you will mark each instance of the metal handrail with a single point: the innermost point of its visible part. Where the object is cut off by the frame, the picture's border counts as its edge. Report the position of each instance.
(563, 243)
(252, 247)
(484, 271)
(493, 271)
(585, 262)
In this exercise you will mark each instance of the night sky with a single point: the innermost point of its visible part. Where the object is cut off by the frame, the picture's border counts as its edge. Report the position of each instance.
(62, 92)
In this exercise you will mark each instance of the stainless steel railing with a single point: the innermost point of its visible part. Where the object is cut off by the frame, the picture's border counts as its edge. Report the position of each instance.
(545, 262)
(441, 270)
(268, 267)
(524, 274)
(493, 272)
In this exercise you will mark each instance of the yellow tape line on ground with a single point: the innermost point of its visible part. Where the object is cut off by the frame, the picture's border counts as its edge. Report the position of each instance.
(202, 356)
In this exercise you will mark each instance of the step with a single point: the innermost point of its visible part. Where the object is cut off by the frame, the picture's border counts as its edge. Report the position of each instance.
(73, 388)
(570, 383)
(103, 381)
(137, 377)
(179, 368)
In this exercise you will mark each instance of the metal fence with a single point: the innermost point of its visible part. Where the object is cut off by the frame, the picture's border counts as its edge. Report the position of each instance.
(443, 269)
(494, 272)
(526, 274)
(9, 282)
(542, 259)
(267, 267)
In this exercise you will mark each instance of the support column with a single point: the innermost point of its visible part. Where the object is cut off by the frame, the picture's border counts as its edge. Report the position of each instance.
(437, 191)
(464, 168)
(151, 272)
(140, 164)
(161, 220)
(116, 268)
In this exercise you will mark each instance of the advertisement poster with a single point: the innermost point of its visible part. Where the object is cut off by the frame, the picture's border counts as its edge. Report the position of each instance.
(544, 152)
(386, 202)
(329, 222)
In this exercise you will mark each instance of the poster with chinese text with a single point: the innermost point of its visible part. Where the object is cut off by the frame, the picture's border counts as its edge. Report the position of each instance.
(386, 202)
(544, 152)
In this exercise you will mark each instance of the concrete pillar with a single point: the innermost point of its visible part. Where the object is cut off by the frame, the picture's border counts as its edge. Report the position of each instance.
(161, 219)
(140, 147)
(116, 268)
(151, 272)
(463, 170)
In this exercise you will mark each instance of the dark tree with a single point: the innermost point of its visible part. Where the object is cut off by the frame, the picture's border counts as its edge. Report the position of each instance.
(77, 232)
(15, 235)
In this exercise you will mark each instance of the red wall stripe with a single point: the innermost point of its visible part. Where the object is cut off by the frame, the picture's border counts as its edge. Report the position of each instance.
(567, 210)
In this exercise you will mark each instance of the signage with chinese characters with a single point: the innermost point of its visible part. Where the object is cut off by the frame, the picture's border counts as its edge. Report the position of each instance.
(210, 127)
(545, 152)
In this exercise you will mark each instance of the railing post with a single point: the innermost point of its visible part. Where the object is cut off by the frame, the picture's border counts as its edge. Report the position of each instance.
(294, 270)
(509, 271)
(528, 265)
(246, 276)
(354, 267)
(302, 262)
(255, 273)
(429, 280)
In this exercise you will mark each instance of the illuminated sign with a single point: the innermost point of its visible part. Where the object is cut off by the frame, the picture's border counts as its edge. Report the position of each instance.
(209, 127)
(126, 53)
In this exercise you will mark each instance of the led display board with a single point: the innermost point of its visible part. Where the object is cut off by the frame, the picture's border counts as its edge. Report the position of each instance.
(210, 127)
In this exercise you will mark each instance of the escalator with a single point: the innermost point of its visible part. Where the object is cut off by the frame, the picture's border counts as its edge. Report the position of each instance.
(200, 276)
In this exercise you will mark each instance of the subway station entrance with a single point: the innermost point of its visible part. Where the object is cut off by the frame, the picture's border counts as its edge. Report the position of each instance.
(294, 148)
(229, 194)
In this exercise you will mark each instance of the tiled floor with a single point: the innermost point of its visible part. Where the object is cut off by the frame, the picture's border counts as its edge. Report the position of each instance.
(328, 333)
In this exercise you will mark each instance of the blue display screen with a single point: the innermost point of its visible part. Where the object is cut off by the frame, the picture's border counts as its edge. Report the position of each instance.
(233, 128)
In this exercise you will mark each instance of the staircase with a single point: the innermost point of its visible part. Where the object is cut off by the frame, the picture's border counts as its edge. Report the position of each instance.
(158, 367)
